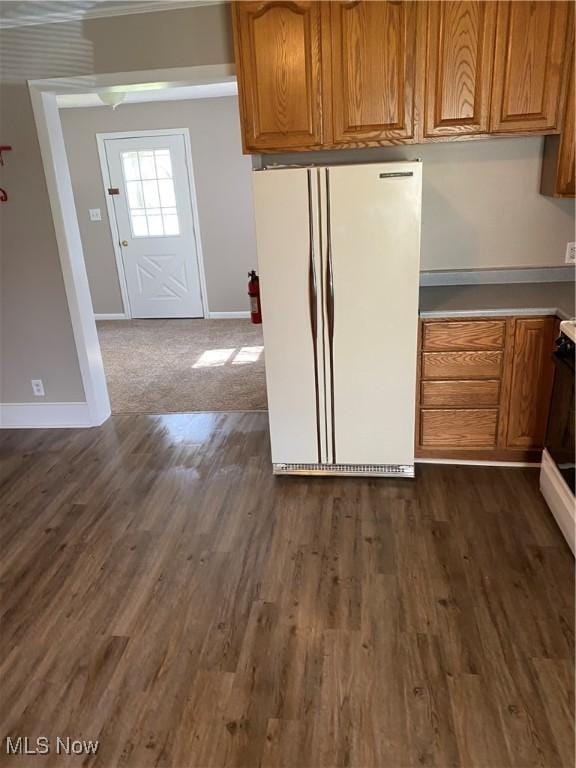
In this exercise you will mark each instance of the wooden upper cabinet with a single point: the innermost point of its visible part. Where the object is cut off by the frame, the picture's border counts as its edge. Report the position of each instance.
(351, 73)
(368, 53)
(458, 76)
(565, 178)
(531, 381)
(559, 162)
(278, 69)
(529, 66)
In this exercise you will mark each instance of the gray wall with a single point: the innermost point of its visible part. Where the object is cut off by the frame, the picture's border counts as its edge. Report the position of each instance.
(467, 186)
(223, 188)
(481, 205)
(36, 339)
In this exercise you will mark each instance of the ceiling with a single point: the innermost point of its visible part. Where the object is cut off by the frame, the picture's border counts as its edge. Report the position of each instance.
(19, 13)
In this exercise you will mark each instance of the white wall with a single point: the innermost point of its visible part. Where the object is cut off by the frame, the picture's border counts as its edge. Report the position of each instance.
(223, 186)
(481, 205)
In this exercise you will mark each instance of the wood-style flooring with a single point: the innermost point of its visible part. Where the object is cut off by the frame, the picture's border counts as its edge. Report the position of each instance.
(165, 595)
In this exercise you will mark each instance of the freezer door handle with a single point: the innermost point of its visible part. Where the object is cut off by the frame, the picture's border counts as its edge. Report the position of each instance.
(312, 285)
(396, 175)
(313, 305)
(330, 311)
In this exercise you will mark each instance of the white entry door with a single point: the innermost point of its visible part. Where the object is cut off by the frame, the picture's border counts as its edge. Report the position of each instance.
(150, 188)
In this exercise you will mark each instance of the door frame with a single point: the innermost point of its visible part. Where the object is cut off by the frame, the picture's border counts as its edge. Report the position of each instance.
(101, 138)
(95, 410)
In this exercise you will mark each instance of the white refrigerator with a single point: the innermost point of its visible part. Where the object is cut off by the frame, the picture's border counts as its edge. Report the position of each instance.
(339, 261)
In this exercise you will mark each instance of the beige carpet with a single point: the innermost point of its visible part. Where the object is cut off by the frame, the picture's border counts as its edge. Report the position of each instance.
(162, 366)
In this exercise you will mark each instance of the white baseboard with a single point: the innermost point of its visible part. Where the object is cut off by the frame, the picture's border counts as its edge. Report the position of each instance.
(44, 415)
(229, 315)
(211, 316)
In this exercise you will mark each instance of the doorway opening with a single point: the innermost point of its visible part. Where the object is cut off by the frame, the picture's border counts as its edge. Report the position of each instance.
(159, 304)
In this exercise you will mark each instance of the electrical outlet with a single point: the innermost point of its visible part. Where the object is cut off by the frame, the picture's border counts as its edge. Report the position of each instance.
(38, 387)
(95, 214)
(570, 253)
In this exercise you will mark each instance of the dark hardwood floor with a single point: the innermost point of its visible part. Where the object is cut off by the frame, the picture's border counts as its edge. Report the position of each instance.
(164, 594)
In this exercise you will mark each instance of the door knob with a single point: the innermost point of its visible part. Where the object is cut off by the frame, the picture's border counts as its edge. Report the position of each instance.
(124, 243)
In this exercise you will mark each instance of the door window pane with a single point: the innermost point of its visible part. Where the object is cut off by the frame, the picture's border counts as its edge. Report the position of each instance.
(151, 196)
(163, 164)
(166, 189)
(155, 225)
(147, 167)
(130, 164)
(135, 196)
(139, 224)
(150, 193)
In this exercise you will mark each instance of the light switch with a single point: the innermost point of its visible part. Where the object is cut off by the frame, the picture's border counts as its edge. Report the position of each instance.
(95, 214)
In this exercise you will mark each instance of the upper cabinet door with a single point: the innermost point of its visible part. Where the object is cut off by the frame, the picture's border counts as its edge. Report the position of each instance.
(278, 67)
(566, 177)
(459, 56)
(369, 68)
(559, 160)
(529, 66)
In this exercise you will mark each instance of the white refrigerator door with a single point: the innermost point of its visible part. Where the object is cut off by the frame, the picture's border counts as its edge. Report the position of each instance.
(373, 221)
(287, 240)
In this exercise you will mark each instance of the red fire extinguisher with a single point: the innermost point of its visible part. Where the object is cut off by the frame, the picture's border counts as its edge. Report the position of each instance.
(254, 293)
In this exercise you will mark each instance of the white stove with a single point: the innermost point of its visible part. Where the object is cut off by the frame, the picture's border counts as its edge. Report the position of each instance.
(568, 328)
(558, 472)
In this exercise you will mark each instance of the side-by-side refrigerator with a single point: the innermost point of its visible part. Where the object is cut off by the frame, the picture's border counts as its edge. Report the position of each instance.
(338, 254)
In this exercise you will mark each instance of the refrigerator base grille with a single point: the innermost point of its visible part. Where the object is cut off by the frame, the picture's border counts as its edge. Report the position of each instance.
(358, 470)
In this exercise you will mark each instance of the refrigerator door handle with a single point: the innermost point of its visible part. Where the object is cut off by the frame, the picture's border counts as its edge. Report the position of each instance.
(313, 306)
(396, 175)
(330, 311)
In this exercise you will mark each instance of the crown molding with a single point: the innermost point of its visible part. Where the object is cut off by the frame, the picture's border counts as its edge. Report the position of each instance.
(70, 12)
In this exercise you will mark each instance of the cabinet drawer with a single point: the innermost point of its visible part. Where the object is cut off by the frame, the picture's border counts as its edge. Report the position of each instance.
(470, 394)
(474, 428)
(461, 365)
(468, 334)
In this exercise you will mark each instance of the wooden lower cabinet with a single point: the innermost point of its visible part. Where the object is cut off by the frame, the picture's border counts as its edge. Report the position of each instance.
(462, 394)
(460, 365)
(532, 374)
(474, 428)
(484, 388)
(463, 335)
